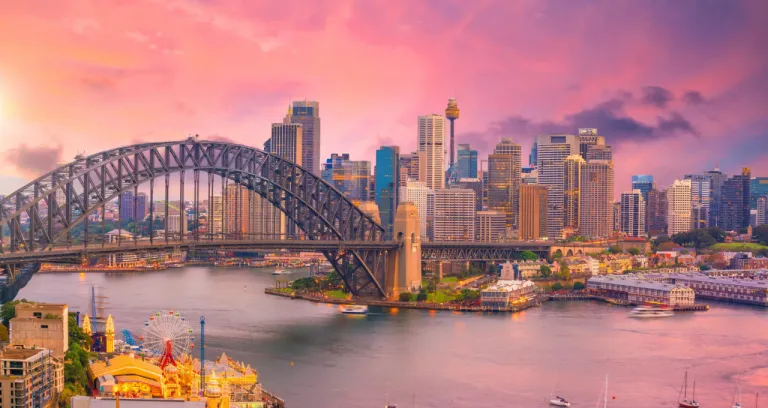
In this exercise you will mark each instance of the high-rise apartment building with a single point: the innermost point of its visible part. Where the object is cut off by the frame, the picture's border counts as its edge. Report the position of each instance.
(644, 183)
(504, 169)
(431, 142)
(716, 180)
(413, 166)
(589, 137)
(467, 162)
(758, 187)
(599, 152)
(552, 150)
(351, 177)
(307, 114)
(30, 378)
(656, 212)
(701, 196)
(571, 193)
(454, 215)
(490, 225)
(533, 212)
(679, 207)
(416, 192)
(596, 199)
(387, 184)
(734, 204)
(286, 140)
(632, 213)
(474, 184)
(762, 210)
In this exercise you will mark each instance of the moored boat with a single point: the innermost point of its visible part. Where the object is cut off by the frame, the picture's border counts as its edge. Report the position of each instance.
(685, 402)
(650, 311)
(354, 309)
(559, 402)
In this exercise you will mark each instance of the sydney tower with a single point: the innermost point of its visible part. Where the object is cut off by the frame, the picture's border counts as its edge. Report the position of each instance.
(452, 113)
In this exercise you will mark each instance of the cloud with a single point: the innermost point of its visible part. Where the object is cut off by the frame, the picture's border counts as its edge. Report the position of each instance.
(676, 123)
(657, 96)
(693, 97)
(34, 161)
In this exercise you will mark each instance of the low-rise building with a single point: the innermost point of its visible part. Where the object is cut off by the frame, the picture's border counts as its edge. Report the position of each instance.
(29, 378)
(637, 289)
(749, 263)
(640, 261)
(750, 291)
(41, 325)
(506, 293)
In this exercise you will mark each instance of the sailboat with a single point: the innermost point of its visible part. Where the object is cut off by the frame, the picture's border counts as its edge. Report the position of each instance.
(737, 397)
(557, 400)
(685, 402)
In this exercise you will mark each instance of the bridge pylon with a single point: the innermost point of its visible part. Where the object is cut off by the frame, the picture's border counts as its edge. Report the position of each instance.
(404, 263)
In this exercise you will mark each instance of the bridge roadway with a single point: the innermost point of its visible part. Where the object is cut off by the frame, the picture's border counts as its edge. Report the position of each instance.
(456, 250)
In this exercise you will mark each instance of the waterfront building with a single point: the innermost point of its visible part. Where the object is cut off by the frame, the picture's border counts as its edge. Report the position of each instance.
(506, 293)
(454, 215)
(467, 162)
(656, 212)
(351, 177)
(639, 290)
(307, 114)
(504, 168)
(762, 211)
(533, 212)
(679, 207)
(525, 269)
(734, 206)
(758, 187)
(596, 199)
(571, 192)
(588, 138)
(30, 378)
(416, 192)
(632, 213)
(431, 142)
(716, 182)
(644, 183)
(43, 325)
(387, 184)
(749, 291)
(552, 150)
(490, 226)
(474, 184)
(413, 166)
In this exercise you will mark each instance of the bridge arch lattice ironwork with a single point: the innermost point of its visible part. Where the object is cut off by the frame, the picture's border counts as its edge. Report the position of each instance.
(44, 213)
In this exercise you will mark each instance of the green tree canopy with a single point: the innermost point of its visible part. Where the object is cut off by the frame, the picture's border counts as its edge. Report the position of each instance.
(545, 271)
(615, 249)
(578, 286)
(527, 256)
(633, 251)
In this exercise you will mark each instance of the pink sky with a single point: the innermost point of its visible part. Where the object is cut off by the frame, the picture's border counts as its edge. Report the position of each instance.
(675, 86)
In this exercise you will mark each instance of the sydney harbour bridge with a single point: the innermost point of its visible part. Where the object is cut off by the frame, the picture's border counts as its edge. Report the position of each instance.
(38, 221)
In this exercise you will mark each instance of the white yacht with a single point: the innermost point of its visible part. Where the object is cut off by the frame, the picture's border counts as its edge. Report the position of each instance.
(559, 402)
(650, 311)
(355, 309)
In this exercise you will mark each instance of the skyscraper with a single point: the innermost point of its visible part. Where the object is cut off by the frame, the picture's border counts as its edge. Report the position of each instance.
(734, 205)
(533, 212)
(716, 181)
(490, 225)
(762, 210)
(454, 215)
(413, 166)
(701, 195)
(351, 177)
(656, 212)
(474, 184)
(387, 183)
(467, 162)
(552, 151)
(452, 113)
(307, 113)
(599, 152)
(589, 137)
(431, 142)
(416, 192)
(758, 187)
(596, 199)
(287, 140)
(644, 183)
(632, 213)
(571, 192)
(679, 207)
(504, 168)
(533, 157)
(127, 203)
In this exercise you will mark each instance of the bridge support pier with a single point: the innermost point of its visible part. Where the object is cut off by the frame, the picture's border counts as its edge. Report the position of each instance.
(403, 272)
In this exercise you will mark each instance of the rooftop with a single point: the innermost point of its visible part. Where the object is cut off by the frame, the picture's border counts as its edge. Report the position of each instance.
(632, 280)
(36, 305)
(19, 354)
(697, 277)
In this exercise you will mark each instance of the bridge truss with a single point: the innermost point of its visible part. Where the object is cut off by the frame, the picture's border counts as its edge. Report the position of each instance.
(64, 209)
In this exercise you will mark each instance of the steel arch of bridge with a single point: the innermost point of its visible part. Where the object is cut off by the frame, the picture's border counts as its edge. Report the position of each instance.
(64, 198)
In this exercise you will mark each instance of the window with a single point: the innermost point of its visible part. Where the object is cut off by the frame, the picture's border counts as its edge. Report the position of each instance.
(37, 315)
(45, 326)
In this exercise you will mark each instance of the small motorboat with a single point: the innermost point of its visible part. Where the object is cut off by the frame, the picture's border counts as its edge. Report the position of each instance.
(559, 402)
(279, 272)
(355, 309)
(642, 312)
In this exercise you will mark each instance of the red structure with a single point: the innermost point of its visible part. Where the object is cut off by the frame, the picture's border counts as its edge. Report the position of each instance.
(167, 357)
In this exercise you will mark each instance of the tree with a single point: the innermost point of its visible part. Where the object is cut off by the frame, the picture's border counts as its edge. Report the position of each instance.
(8, 310)
(633, 251)
(304, 283)
(545, 271)
(760, 234)
(3, 334)
(615, 249)
(422, 296)
(578, 286)
(557, 286)
(405, 297)
(527, 256)
(565, 272)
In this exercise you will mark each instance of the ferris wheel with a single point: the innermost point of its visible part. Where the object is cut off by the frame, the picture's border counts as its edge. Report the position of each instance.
(168, 329)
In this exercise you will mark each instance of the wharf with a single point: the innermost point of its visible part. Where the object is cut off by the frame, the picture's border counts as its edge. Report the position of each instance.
(699, 307)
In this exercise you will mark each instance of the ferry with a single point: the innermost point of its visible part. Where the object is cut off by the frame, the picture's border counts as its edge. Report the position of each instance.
(355, 309)
(280, 272)
(559, 402)
(650, 311)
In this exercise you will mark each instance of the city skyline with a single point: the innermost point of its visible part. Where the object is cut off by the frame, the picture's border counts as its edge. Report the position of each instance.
(106, 71)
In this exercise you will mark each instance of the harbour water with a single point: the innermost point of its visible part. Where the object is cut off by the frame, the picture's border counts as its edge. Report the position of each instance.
(313, 356)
